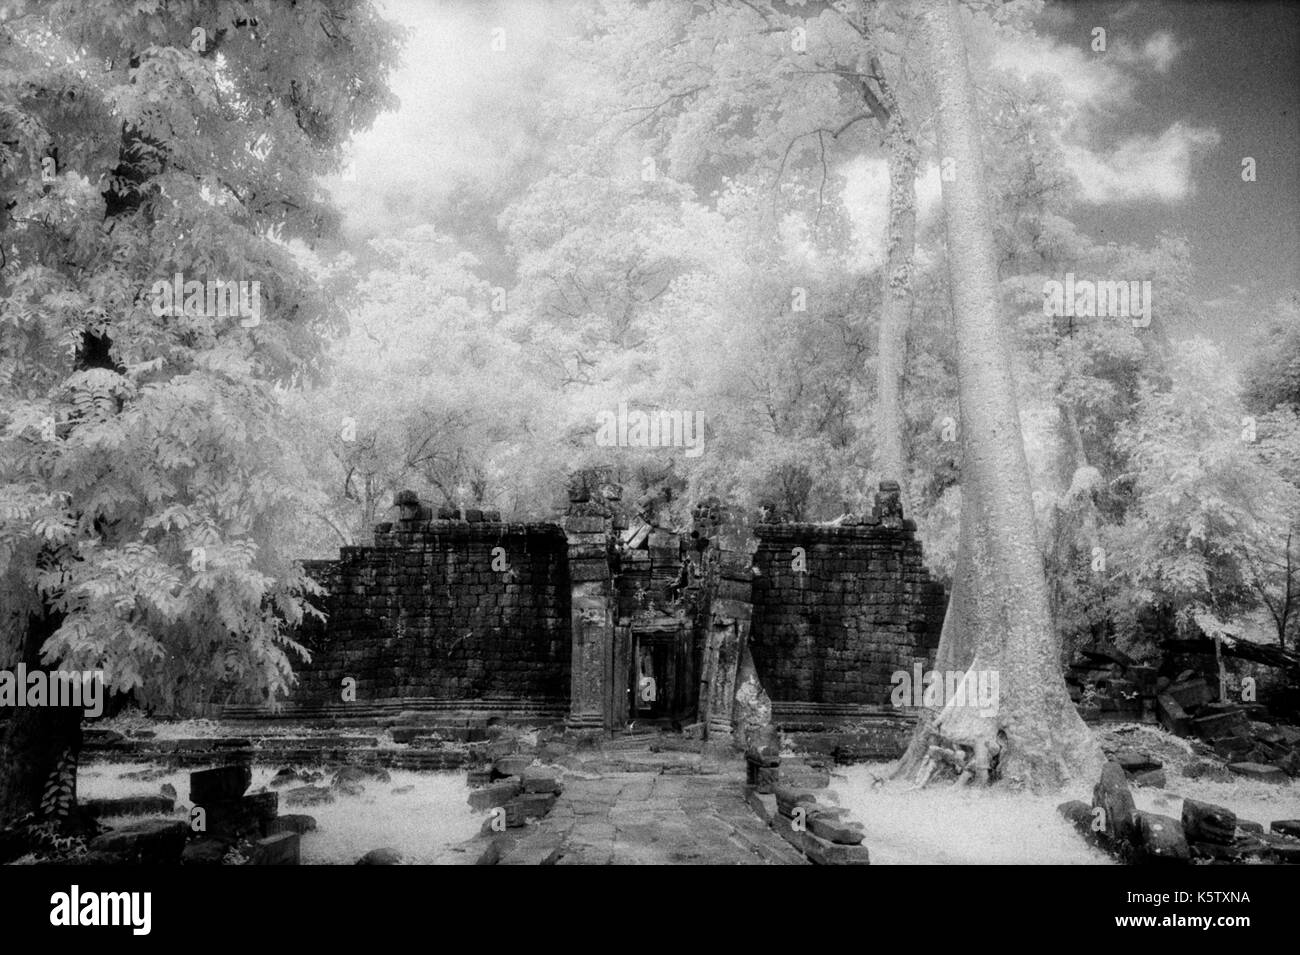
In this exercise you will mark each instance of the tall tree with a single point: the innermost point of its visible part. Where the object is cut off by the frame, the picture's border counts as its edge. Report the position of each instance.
(140, 476)
(998, 618)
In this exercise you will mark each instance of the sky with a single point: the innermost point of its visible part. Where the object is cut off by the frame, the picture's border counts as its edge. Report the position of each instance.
(1183, 93)
(1159, 124)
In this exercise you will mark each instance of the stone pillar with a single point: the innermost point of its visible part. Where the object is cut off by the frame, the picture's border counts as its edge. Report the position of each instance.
(588, 528)
(730, 614)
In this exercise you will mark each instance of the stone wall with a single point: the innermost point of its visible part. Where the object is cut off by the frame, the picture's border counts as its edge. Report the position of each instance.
(834, 620)
(471, 615)
(446, 610)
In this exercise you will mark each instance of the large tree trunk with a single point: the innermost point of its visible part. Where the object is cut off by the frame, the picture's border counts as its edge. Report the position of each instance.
(998, 617)
(35, 740)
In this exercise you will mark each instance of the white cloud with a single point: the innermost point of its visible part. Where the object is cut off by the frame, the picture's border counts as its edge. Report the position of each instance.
(1141, 167)
(1157, 54)
(1097, 90)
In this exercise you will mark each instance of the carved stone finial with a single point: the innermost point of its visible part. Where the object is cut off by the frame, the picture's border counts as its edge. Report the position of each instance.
(889, 504)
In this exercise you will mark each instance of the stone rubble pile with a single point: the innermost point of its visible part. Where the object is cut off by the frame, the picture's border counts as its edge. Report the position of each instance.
(1204, 832)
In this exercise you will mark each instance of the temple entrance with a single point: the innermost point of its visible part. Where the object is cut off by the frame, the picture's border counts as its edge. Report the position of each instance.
(661, 682)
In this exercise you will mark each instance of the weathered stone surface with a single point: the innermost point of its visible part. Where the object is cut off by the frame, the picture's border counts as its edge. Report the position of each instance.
(532, 805)
(495, 794)
(764, 745)
(381, 857)
(150, 841)
(1260, 771)
(1191, 693)
(129, 806)
(1160, 839)
(819, 851)
(1112, 794)
(1149, 779)
(279, 849)
(541, 779)
(1206, 822)
(204, 852)
(308, 796)
(1286, 827)
(1172, 716)
(508, 766)
(841, 833)
(241, 818)
(805, 777)
(1221, 723)
(788, 797)
(219, 785)
(1135, 762)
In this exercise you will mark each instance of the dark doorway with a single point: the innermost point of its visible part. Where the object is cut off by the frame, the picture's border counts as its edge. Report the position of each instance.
(659, 673)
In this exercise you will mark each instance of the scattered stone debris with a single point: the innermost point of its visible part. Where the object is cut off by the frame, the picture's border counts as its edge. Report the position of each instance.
(1204, 832)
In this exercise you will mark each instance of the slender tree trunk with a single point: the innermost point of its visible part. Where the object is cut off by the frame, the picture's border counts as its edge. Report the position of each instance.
(896, 309)
(998, 617)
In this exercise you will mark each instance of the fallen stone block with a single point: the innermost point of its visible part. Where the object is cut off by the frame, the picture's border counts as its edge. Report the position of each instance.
(148, 842)
(533, 805)
(541, 780)
(1242, 849)
(1112, 795)
(788, 797)
(1150, 779)
(1160, 839)
(819, 851)
(508, 766)
(1191, 694)
(805, 778)
(279, 849)
(241, 818)
(1233, 748)
(204, 852)
(1208, 823)
(1135, 762)
(1286, 827)
(1260, 771)
(832, 830)
(1283, 850)
(223, 784)
(495, 794)
(1222, 723)
(129, 806)
(1172, 716)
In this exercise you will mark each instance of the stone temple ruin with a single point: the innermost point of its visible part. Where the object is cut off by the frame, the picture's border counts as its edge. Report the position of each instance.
(604, 622)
